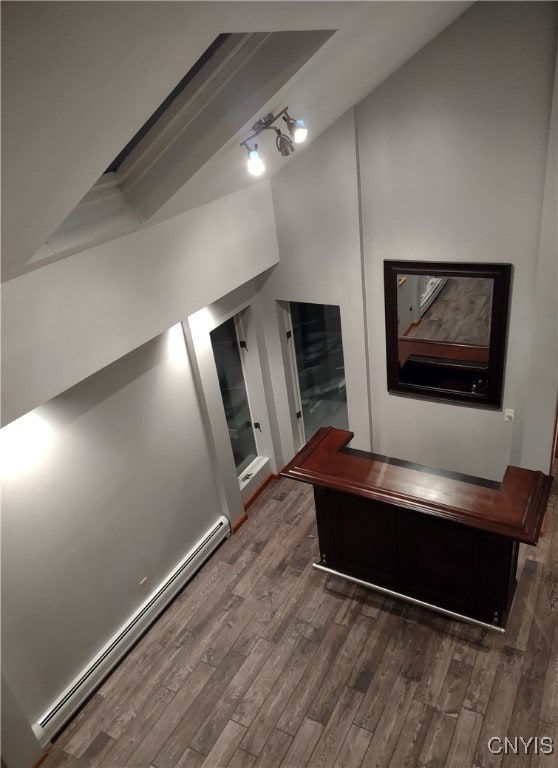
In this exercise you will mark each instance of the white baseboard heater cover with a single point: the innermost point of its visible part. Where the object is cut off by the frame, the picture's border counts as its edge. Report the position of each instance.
(100, 665)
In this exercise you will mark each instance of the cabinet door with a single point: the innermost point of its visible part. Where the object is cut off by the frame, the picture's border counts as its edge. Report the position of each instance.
(463, 569)
(439, 561)
(360, 538)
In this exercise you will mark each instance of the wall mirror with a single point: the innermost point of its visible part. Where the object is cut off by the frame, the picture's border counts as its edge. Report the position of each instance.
(446, 329)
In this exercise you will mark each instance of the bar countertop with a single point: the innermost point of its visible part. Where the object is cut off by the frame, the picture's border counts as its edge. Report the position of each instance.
(513, 508)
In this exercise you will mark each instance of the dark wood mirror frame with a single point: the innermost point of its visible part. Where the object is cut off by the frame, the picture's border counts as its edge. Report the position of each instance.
(491, 394)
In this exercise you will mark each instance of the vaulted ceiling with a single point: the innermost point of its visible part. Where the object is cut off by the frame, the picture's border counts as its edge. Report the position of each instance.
(80, 78)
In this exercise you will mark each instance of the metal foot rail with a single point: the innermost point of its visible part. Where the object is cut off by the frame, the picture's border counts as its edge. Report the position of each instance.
(412, 600)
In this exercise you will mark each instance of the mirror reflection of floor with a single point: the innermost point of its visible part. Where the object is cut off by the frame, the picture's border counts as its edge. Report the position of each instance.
(460, 314)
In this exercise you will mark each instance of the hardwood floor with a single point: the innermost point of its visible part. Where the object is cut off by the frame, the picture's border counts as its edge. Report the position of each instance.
(262, 661)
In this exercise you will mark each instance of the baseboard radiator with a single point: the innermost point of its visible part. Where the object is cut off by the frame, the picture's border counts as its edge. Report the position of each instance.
(100, 665)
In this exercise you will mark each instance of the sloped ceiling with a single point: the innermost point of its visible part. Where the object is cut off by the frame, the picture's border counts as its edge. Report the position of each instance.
(79, 79)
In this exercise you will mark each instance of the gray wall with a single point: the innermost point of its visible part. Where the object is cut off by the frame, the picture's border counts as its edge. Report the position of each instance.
(20, 748)
(111, 478)
(451, 152)
(316, 209)
(106, 484)
(67, 320)
(541, 395)
(445, 161)
(198, 328)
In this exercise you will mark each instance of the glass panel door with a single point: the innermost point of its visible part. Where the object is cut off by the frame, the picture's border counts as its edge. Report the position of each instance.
(320, 365)
(226, 350)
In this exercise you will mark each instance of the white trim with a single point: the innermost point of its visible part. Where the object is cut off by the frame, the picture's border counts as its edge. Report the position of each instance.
(259, 470)
(105, 185)
(241, 321)
(291, 372)
(432, 288)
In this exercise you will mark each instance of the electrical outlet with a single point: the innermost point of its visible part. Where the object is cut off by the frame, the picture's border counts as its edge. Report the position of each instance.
(509, 414)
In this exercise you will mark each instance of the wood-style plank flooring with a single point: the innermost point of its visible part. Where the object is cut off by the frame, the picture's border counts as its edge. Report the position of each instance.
(263, 661)
(460, 314)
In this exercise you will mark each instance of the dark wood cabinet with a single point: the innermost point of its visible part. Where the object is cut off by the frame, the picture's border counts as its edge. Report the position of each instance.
(352, 543)
(447, 540)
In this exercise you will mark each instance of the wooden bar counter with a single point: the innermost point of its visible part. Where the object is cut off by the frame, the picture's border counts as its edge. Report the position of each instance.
(437, 538)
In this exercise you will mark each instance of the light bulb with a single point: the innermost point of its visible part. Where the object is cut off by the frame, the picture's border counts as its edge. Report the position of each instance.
(255, 163)
(301, 132)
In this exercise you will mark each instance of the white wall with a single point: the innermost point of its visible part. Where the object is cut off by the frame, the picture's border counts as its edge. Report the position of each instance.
(107, 484)
(451, 153)
(316, 208)
(67, 320)
(452, 158)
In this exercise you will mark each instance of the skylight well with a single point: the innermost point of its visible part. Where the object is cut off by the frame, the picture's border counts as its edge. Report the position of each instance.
(237, 75)
(166, 104)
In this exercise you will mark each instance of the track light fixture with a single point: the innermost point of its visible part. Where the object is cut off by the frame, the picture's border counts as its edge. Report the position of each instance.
(284, 143)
